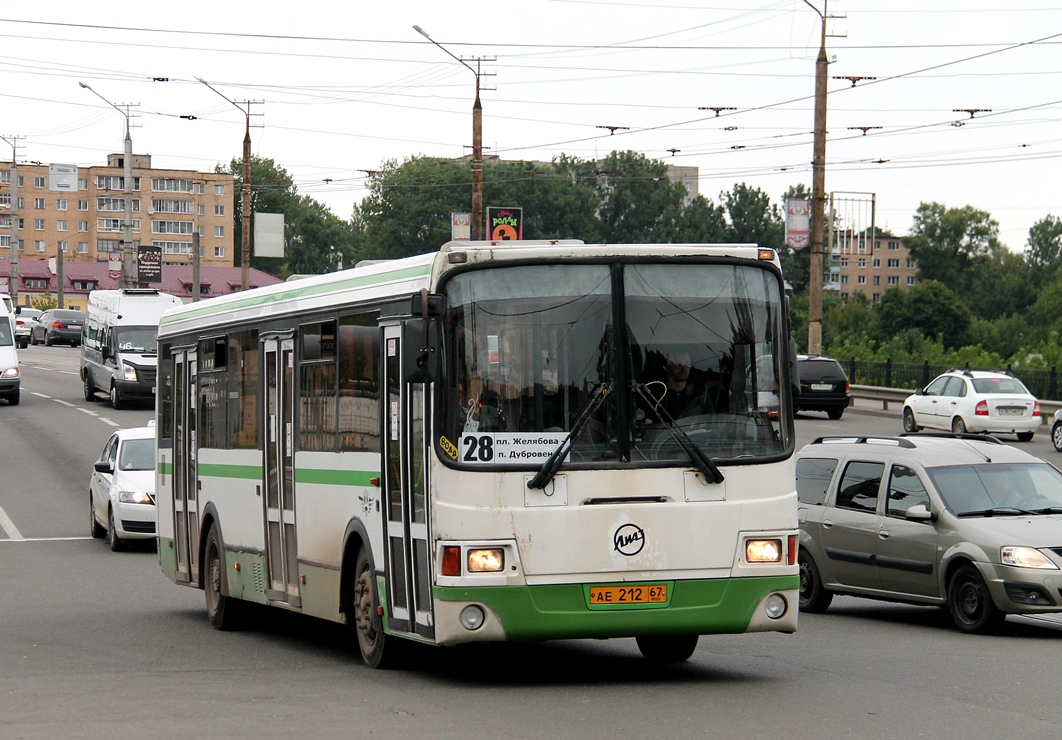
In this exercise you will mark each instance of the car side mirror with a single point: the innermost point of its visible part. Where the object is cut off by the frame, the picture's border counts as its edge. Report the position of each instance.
(105, 351)
(103, 466)
(920, 392)
(919, 513)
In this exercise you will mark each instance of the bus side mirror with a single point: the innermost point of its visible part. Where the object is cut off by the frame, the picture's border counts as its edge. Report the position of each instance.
(420, 350)
(794, 368)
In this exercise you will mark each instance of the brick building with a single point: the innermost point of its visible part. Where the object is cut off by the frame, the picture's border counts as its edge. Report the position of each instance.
(857, 266)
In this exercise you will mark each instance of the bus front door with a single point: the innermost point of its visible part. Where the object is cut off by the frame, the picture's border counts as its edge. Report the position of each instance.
(280, 542)
(185, 482)
(408, 561)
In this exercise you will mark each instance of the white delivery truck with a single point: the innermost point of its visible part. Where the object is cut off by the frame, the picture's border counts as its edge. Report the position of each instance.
(119, 349)
(9, 372)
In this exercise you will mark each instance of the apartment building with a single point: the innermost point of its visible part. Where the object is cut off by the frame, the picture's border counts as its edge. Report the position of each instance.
(168, 206)
(859, 264)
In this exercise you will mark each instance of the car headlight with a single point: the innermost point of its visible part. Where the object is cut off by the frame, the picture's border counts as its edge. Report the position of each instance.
(11, 372)
(134, 497)
(128, 372)
(1025, 557)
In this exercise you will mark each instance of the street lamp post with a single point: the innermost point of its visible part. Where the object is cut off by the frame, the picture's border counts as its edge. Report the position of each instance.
(12, 285)
(128, 280)
(245, 188)
(818, 193)
(477, 145)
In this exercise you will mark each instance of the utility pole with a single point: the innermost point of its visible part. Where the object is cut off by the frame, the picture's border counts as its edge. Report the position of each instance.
(128, 277)
(12, 285)
(818, 191)
(477, 138)
(245, 188)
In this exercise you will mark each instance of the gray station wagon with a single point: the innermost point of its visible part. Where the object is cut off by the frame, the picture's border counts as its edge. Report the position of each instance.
(959, 521)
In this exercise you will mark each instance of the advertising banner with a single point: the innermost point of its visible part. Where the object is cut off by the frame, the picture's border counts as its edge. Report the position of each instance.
(149, 264)
(460, 227)
(505, 224)
(797, 223)
(114, 265)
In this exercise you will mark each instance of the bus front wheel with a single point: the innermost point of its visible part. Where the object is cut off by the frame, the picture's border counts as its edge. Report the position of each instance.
(377, 649)
(225, 612)
(663, 650)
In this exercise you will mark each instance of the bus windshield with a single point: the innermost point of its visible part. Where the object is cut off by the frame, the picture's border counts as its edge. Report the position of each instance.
(698, 358)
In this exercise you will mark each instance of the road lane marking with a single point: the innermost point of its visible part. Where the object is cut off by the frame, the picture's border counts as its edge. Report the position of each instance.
(40, 394)
(105, 420)
(9, 526)
(90, 412)
(46, 539)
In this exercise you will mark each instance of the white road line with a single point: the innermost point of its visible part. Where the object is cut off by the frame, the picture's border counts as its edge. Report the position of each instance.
(105, 420)
(65, 403)
(9, 526)
(40, 394)
(45, 539)
(90, 412)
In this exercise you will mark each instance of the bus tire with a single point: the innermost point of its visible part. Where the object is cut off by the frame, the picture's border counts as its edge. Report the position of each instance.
(377, 648)
(667, 649)
(225, 612)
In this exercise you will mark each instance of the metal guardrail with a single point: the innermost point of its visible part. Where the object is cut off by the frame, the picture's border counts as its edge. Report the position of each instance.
(899, 395)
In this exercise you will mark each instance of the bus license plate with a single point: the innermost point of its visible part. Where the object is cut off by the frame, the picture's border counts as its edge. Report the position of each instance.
(645, 593)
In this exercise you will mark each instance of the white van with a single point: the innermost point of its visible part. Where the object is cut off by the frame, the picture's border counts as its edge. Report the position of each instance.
(9, 373)
(119, 349)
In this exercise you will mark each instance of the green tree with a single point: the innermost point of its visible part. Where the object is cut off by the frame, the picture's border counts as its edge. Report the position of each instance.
(948, 242)
(271, 192)
(640, 204)
(753, 218)
(702, 222)
(1045, 242)
(931, 308)
(318, 241)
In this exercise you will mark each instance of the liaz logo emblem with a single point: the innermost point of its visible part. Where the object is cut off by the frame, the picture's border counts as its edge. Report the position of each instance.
(628, 540)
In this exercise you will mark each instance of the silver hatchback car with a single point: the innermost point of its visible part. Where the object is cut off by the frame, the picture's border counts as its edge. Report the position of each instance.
(960, 521)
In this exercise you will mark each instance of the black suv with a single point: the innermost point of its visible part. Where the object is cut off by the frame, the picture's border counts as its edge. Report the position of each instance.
(823, 386)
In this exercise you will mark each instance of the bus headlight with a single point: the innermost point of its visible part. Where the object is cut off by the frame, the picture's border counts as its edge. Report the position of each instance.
(472, 617)
(486, 561)
(763, 551)
(775, 606)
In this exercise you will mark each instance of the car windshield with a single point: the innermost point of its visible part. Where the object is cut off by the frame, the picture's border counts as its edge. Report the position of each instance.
(981, 489)
(137, 338)
(137, 454)
(999, 385)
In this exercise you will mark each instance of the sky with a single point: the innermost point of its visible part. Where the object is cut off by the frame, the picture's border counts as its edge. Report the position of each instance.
(960, 105)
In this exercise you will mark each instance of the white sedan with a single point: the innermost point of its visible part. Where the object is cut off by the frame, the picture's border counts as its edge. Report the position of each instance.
(963, 401)
(122, 488)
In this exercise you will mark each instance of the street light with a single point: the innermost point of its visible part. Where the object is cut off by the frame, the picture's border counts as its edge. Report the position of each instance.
(127, 225)
(245, 188)
(477, 145)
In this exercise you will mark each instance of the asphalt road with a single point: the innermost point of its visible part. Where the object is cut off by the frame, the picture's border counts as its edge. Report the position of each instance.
(95, 644)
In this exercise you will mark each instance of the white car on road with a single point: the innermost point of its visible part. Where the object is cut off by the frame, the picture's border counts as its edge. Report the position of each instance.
(974, 401)
(122, 488)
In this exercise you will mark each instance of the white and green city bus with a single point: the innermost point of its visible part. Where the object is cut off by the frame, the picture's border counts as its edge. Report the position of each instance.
(497, 441)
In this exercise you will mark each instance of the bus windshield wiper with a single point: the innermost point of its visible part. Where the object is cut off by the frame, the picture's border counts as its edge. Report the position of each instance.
(709, 469)
(553, 462)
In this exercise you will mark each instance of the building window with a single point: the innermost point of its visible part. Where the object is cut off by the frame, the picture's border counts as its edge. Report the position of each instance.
(116, 204)
(201, 211)
(82, 205)
(38, 283)
(5, 199)
(38, 203)
(877, 280)
(108, 224)
(910, 280)
(82, 225)
(61, 246)
(60, 204)
(38, 182)
(910, 264)
(171, 185)
(861, 280)
(108, 245)
(219, 251)
(61, 224)
(862, 262)
(5, 175)
(172, 205)
(82, 184)
(219, 231)
(5, 241)
(894, 279)
(82, 247)
(894, 264)
(173, 247)
(219, 210)
(114, 182)
(84, 284)
(844, 280)
(219, 190)
(38, 224)
(877, 263)
(202, 231)
(38, 246)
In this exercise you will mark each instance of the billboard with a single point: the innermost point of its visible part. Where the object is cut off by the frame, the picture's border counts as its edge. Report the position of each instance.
(505, 224)
(460, 227)
(797, 223)
(62, 177)
(269, 235)
(149, 264)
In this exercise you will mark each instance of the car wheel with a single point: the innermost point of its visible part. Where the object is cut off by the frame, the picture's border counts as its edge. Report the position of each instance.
(835, 414)
(116, 542)
(48, 342)
(22, 342)
(377, 649)
(958, 425)
(909, 421)
(90, 390)
(667, 649)
(225, 612)
(33, 340)
(13, 399)
(814, 598)
(1025, 436)
(970, 603)
(116, 399)
(97, 530)
(1056, 436)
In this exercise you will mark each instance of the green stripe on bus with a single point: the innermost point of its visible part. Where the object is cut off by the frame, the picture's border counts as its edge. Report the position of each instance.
(715, 606)
(335, 477)
(304, 292)
(165, 468)
(217, 470)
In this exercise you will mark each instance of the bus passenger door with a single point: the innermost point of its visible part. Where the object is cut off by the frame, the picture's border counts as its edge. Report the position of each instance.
(408, 560)
(185, 482)
(280, 543)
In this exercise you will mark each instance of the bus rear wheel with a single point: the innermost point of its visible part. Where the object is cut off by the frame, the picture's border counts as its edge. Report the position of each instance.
(225, 612)
(376, 648)
(664, 650)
